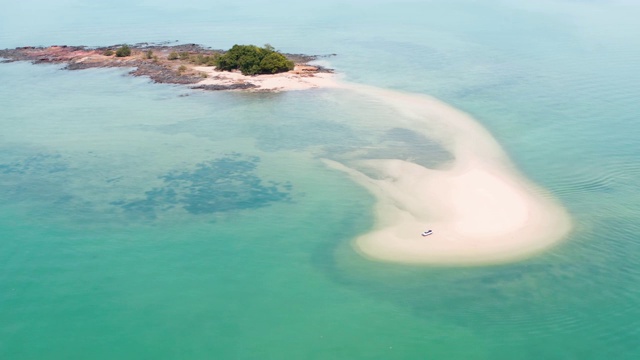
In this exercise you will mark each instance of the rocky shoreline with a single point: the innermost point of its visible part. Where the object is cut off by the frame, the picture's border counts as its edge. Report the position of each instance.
(151, 60)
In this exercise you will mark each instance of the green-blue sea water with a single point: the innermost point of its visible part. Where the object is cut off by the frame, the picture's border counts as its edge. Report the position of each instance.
(148, 221)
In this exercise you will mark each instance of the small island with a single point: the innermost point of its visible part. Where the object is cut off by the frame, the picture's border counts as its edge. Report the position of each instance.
(243, 67)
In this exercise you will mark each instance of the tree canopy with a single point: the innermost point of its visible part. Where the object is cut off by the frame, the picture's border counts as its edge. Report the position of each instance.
(252, 60)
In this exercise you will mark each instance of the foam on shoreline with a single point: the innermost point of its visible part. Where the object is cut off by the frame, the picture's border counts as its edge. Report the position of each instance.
(479, 207)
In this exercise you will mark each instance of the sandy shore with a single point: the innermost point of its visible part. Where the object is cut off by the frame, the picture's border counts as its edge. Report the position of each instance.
(303, 77)
(480, 208)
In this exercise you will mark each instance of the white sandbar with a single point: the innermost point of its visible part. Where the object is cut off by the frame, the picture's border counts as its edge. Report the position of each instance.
(481, 210)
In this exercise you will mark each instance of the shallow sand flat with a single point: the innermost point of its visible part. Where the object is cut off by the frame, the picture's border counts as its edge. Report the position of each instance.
(292, 80)
(480, 208)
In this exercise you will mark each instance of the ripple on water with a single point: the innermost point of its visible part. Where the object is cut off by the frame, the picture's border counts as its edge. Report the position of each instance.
(597, 178)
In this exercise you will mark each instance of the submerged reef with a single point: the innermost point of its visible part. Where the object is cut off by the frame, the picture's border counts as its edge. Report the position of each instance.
(225, 184)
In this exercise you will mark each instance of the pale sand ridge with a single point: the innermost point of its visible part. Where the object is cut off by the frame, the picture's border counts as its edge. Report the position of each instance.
(480, 208)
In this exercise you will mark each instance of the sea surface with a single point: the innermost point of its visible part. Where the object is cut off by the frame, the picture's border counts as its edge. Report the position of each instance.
(148, 221)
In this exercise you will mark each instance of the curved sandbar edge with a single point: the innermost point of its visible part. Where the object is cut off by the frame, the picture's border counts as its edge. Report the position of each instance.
(480, 208)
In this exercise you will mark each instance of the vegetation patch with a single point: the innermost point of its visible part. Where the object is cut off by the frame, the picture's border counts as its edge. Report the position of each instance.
(172, 56)
(123, 51)
(201, 59)
(252, 60)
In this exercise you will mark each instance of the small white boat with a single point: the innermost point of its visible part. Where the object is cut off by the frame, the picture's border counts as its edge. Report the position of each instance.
(427, 233)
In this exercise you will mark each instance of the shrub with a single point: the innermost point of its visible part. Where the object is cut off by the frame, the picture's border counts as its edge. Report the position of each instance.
(182, 68)
(148, 54)
(173, 56)
(275, 63)
(108, 52)
(212, 60)
(184, 55)
(201, 59)
(123, 51)
(251, 60)
(197, 59)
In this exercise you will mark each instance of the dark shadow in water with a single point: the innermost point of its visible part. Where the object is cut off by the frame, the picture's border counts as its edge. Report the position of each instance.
(396, 143)
(404, 144)
(441, 295)
(39, 163)
(521, 303)
(224, 184)
(33, 177)
(303, 135)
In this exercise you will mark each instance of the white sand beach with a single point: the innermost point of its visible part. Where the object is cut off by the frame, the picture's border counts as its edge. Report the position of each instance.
(481, 210)
(302, 77)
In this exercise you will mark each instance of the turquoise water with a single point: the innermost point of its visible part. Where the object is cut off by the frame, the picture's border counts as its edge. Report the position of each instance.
(137, 222)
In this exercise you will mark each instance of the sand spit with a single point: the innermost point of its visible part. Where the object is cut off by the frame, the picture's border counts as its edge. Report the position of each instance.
(480, 208)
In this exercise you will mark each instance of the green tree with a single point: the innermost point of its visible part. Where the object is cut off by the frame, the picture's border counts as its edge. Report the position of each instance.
(251, 60)
(123, 51)
(275, 63)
